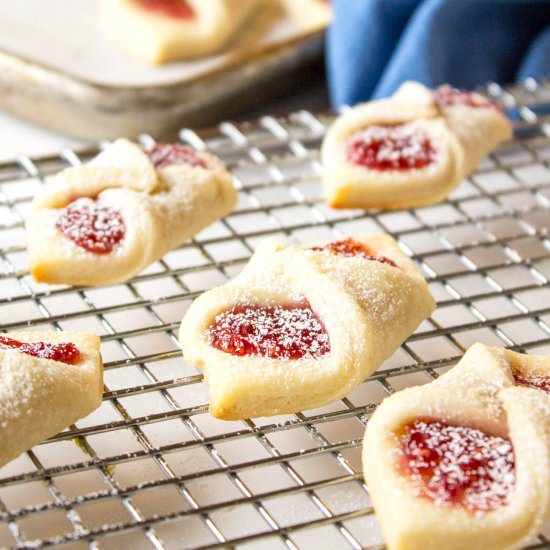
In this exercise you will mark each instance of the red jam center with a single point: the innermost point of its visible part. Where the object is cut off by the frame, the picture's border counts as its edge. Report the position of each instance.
(65, 352)
(279, 332)
(178, 9)
(399, 147)
(456, 465)
(537, 381)
(447, 96)
(95, 227)
(166, 154)
(349, 247)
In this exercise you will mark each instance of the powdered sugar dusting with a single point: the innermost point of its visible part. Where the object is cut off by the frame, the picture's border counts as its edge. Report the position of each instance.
(91, 225)
(396, 147)
(458, 465)
(64, 352)
(380, 295)
(281, 332)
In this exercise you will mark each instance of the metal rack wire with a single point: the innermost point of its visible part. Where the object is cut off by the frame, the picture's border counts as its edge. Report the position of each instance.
(151, 468)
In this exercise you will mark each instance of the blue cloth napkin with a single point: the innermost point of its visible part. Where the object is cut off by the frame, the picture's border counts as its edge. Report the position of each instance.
(375, 45)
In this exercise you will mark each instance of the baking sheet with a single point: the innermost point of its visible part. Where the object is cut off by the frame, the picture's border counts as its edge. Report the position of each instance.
(65, 36)
(57, 71)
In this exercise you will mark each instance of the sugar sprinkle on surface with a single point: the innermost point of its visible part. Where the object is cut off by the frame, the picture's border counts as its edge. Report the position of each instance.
(281, 331)
(91, 225)
(396, 147)
(458, 465)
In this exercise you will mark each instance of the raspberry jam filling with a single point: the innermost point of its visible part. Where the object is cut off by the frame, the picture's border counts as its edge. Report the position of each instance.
(349, 247)
(447, 96)
(64, 352)
(399, 147)
(280, 332)
(166, 154)
(537, 381)
(178, 9)
(96, 227)
(458, 466)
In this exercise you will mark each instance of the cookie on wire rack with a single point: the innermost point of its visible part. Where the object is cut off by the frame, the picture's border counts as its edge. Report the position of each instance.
(301, 327)
(409, 150)
(107, 220)
(48, 381)
(464, 462)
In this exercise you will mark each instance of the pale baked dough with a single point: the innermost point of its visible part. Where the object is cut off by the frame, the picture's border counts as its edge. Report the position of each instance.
(313, 14)
(479, 393)
(41, 397)
(160, 208)
(478, 131)
(368, 309)
(462, 136)
(154, 38)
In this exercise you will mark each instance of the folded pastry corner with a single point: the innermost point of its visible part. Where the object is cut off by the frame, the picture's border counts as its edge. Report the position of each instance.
(464, 462)
(48, 381)
(303, 326)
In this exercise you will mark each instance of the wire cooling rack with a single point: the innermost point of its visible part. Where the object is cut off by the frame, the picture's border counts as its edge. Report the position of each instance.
(151, 468)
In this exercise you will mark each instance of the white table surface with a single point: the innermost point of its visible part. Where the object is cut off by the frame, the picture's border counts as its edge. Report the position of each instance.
(19, 137)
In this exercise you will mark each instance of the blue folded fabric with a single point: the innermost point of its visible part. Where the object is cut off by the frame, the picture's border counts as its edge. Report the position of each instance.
(375, 45)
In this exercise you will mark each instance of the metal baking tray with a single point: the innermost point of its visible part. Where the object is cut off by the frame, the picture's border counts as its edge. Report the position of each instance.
(57, 70)
(151, 469)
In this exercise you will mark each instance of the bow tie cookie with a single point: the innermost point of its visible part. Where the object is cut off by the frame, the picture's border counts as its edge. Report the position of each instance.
(464, 462)
(303, 326)
(409, 150)
(107, 220)
(48, 380)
